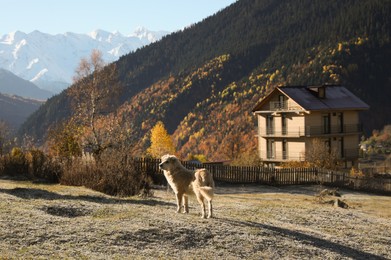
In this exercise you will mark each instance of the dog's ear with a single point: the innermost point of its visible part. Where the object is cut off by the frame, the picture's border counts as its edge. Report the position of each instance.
(165, 157)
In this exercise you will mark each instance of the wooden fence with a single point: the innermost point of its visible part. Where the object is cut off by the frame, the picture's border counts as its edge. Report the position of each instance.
(272, 176)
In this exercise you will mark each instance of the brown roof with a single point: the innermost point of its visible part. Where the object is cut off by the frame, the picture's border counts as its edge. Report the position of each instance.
(336, 98)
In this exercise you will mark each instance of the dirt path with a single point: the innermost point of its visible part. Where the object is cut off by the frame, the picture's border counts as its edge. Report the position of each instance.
(252, 222)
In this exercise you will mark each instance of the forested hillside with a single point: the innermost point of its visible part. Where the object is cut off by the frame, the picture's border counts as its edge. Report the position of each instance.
(14, 110)
(202, 82)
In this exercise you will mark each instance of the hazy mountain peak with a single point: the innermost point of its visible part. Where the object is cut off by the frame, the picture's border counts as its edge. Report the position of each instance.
(99, 35)
(50, 60)
(144, 34)
(12, 37)
(12, 85)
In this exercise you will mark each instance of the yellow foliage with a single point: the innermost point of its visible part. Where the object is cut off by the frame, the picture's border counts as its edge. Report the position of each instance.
(161, 141)
(360, 41)
(65, 140)
(16, 152)
(272, 77)
(340, 47)
(356, 172)
(296, 164)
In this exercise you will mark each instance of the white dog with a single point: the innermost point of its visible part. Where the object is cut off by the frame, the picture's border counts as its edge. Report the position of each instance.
(185, 182)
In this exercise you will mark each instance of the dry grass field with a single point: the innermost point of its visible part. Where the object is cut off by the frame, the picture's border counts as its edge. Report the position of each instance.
(40, 221)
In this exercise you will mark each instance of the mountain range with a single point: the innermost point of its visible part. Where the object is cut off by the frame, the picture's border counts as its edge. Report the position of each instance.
(19, 98)
(49, 61)
(14, 110)
(13, 85)
(202, 82)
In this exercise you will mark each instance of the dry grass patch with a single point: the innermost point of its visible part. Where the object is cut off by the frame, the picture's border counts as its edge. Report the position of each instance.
(252, 222)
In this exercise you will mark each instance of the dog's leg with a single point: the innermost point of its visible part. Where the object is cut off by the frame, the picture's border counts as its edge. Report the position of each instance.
(203, 209)
(202, 204)
(179, 201)
(185, 203)
(210, 213)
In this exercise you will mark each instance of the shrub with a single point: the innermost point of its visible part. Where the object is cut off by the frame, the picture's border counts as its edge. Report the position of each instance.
(249, 158)
(295, 164)
(33, 164)
(14, 164)
(42, 166)
(356, 172)
(114, 174)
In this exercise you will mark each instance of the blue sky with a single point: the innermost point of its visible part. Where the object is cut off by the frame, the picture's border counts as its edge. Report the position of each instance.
(83, 16)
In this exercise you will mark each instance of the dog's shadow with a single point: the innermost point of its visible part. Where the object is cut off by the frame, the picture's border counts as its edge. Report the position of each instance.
(32, 193)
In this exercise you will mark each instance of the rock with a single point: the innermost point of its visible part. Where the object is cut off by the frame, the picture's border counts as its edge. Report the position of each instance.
(327, 192)
(341, 204)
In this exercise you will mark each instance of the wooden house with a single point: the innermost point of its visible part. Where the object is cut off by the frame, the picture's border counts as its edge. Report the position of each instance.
(290, 117)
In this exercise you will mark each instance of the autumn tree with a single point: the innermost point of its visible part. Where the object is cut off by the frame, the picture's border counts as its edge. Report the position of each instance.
(232, 145)
(93, 97)
(161, 141)
(321, 155)
(64, 140)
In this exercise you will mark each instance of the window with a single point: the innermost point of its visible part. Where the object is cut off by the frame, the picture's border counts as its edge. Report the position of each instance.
(326, 124)
(281, 100)
(340, 122)
(284, 149)
(341, 147)
(270, 125)
(271, 149)
(283, 124)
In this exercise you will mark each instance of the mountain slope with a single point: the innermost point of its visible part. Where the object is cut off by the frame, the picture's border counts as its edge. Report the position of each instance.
(202, 82)
(13, 85)
(14, 110)
(50, 60)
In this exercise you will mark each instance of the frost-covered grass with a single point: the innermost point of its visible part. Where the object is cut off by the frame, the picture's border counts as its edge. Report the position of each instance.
(251, 222)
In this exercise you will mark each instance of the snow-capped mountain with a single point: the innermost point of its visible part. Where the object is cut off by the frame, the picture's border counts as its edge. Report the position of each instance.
(49, 61)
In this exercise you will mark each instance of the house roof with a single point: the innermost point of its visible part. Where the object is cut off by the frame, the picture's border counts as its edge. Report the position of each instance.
(336, 98)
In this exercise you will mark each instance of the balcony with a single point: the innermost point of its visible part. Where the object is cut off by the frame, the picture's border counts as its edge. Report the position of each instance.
(269, 132)
(282, 106)
(310, 131)
(281, 157)
(349, 154)
(333, 130)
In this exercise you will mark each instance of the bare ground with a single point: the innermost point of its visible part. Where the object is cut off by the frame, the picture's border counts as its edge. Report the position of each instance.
(251, 222)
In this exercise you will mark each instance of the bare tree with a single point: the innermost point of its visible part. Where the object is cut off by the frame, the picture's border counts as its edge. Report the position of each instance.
(93, 97)
(321, 155)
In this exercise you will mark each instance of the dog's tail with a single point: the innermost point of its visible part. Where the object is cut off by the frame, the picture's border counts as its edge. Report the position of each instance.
(207, 192)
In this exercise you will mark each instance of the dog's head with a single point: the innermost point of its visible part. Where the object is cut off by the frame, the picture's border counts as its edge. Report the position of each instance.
(168, 162)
